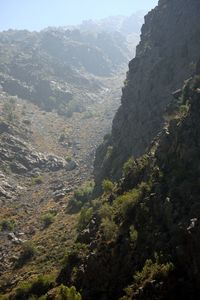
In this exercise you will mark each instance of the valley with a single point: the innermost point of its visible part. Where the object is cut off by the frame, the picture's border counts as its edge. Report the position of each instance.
(99, 158)
(29, 191)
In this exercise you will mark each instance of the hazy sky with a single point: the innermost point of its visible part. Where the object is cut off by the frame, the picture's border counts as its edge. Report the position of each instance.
(38, 14)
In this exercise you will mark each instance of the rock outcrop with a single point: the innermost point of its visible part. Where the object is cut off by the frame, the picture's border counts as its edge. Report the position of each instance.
(166, 55)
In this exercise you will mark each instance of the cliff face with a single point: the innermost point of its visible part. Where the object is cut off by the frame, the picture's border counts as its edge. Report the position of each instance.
(145, 232)
(166, 55)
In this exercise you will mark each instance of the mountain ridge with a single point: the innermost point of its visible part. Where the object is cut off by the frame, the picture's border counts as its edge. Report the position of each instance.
(162, 62)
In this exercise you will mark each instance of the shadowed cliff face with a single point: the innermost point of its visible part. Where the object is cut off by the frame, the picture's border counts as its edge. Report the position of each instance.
(145, 232)
(166, 55)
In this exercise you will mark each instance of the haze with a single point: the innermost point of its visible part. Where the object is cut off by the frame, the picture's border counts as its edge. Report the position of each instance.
(37, 14)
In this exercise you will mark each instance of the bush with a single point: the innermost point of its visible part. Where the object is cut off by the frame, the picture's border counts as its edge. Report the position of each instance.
(125, 203)
(7, 225)
(74, 205)
(152, 271)
(35, 289)
(47, 219)
(109, 229)
(84, 218)
(41, 285)
(106, 211)
(27, 254)
(109, 152)
(107, 185)
(68, 159)
(81, 196)
(128, 166)
(85, 191)
(133, 234)
(65, 293)
(37, 180)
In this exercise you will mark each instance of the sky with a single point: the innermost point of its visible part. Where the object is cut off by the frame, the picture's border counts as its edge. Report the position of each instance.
(39, 14)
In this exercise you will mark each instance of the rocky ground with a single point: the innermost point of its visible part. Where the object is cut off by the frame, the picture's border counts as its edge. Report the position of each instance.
(43, 158)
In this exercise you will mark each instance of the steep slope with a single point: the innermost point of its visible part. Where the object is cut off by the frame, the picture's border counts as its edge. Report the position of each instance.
(168, 50)
(144, 231)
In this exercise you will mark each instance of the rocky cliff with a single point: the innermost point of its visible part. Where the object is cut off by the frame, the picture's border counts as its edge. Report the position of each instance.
(165, 56)
(144, 232)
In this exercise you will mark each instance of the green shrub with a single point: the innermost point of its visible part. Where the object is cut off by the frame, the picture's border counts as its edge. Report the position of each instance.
(128, 166)
(125, 203)
(47, 219)
(35, 289)
(152, 271)
(28, 252)
(109, 229)
(133, 234)
(7, 225)
(41, 285)
(85, 191)
(84, 218)
(65, 293)
(37, 180)
(107, 185)
(106, 211)
(68, 159)
(74, 205)
(109, 152)
(81, 196)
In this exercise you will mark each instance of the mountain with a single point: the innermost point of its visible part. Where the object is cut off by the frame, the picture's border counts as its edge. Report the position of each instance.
(140, 239)
(133, 234)
(128, 26)
(56, 68)
(123, 24)
(165, 56)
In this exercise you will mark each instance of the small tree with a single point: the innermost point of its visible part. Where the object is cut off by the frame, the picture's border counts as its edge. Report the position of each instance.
(107, 185)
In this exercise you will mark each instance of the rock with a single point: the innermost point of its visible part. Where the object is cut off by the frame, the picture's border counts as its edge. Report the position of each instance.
(4, 127)
(11, 235)
(18, 168)
(176, 94)
(71, 165)
(23, 159)
(58, 194)
(5, 194)
(2, 176)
